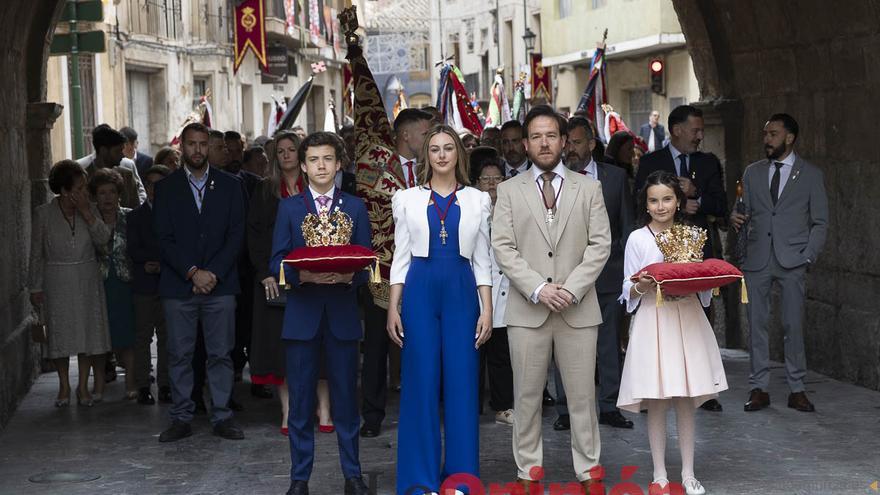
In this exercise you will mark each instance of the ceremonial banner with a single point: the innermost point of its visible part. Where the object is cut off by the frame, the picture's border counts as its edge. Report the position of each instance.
(499, 109)
(454, 104)
(315, 23)
(250, 32)
(348, 90)
(594, 96)
(379, 174)
(541, 86)
(290, 20)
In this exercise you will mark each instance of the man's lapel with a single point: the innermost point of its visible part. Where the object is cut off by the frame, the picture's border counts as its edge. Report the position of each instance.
(571, 189)
(792, 180)
(530, 194)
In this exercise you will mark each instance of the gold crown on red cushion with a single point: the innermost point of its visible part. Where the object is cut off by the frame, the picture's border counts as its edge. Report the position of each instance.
(327, 229)
(682, 244)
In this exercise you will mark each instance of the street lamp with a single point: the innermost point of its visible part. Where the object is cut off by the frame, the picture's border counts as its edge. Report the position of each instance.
(529, 38)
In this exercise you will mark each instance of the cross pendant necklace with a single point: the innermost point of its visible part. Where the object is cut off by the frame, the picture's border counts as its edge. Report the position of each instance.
(443, 233)
(550, 216)
(442, 214)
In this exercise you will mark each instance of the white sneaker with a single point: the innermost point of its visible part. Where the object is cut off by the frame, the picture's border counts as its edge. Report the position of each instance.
(504, 417)
(693, 487)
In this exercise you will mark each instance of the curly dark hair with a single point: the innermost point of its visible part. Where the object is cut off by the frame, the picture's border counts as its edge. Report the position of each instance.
(104, 176)
(63, 175)
(321, 138)
(661, 178)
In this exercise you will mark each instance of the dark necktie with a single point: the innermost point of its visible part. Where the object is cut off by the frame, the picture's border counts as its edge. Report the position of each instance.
(513, 172)
(774, 183)
(683, 169)
(411, 175)
(548, 191)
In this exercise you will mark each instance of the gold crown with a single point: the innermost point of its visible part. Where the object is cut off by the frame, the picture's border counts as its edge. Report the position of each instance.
(327, 229)
(682, 244)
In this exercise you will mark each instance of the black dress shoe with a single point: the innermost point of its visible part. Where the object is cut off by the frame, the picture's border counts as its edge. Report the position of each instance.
(145, 397)
(175, 432)
(165, 395)
(549, 401)
(712, 405)
(356, 486)
(563, 423)
(799, 401)
(229, 430)
(261, 391)
(615, 419)
(758, 399)
(370, 431)
(235, 406)
(201, 410)
(298, 487)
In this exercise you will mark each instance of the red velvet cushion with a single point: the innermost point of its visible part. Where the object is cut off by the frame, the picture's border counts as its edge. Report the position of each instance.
(339, 259)
(679, 279)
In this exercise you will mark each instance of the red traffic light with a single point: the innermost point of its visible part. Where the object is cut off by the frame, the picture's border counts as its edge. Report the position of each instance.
(656, 66)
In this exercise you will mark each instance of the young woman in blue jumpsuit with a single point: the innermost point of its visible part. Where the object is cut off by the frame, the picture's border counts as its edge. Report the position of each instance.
(442, 271)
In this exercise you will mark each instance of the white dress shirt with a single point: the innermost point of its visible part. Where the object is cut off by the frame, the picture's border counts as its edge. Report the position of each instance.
(522, 167)
(197, 186)
(559, 170)
(784, 172)
(651, 144)
(675, 155)
(592, 170)
(405, 168)
(329, 194)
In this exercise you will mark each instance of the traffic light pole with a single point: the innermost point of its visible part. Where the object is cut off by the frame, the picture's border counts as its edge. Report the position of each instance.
(75, 85)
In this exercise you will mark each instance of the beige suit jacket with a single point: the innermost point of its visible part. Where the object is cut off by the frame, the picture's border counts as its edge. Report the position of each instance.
(571, 253)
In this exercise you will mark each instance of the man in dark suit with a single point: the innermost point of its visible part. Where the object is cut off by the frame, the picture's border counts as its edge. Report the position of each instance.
(653, 133)
(199, 219)
(142, 161)
(143, 249)
(618, 203)
(321, 317)
(700, 176)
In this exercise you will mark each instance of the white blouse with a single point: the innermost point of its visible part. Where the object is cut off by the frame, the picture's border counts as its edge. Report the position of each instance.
(641, 251)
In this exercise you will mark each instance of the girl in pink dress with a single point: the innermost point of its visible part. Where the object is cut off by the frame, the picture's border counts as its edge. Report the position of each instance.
(672, 358)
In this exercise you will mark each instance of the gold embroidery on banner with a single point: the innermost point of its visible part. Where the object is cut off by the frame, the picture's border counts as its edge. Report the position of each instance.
(248, 19)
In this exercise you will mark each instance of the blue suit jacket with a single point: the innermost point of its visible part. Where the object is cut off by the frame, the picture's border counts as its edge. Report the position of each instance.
(308, 303)
(210, 240)
(143, 246)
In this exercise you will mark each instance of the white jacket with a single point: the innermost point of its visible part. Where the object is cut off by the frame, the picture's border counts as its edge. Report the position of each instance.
(411, 230)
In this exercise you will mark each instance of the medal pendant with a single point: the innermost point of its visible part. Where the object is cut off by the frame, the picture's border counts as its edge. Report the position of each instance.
(550, 216)
(443, 234)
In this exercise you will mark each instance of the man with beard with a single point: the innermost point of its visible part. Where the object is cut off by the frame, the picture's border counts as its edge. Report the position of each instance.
(199, 220)
(512, 149)
(217, 149)
(700, 177)
(785, 200)
(618, 203)
(109, 147)
(551, 239)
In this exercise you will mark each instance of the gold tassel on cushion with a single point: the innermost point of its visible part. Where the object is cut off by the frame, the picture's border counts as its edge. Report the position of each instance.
(659, 296)
(375, 274)
(281, 279)
(716, 291)
(743, 293)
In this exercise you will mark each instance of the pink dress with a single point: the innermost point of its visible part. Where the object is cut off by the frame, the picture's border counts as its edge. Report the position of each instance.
(672, 349)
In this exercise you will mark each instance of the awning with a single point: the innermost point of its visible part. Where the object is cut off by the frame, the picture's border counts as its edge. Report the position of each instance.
(623, 49)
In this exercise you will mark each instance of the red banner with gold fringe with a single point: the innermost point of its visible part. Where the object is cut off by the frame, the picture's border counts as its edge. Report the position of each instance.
(541, 86)
(250, 32)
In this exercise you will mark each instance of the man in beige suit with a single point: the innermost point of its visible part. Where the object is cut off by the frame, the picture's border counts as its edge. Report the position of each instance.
(551, 239)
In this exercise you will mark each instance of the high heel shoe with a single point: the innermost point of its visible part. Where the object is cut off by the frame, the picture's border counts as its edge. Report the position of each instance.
(62, 402)
(97, 398)
(693, 487)
(326, 428)
(131, 395)
(284, 431)
(84, 402)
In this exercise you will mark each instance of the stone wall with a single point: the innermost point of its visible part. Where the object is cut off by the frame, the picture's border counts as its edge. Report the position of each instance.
(819, 62)
(23, 146)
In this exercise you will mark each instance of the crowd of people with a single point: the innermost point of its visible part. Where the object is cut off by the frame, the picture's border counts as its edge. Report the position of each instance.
(518, 253)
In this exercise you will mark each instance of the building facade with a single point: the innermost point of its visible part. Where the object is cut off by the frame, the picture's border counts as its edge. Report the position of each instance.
(161, 57)
(482, 36)
(639, 32)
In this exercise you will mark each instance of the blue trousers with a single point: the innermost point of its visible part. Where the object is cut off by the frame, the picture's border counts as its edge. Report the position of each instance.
(303, 366)
(217, 314)
(440, 311)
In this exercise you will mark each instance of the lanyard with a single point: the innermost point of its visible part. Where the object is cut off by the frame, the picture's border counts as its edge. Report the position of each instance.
(555, 198)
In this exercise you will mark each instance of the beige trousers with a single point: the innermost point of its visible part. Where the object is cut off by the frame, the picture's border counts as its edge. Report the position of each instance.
(530, 352)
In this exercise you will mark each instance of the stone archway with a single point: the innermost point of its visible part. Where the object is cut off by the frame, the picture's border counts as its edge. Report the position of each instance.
(25, 120)
(819, 62)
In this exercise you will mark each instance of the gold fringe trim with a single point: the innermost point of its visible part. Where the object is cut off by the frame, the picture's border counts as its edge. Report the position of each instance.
(743, 292)
(659, 300)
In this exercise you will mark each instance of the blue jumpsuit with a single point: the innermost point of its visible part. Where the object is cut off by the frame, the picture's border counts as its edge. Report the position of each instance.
(439, 315)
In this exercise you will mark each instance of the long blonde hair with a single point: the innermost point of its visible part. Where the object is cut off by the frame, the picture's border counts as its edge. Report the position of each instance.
(461, 167)
(274, 178)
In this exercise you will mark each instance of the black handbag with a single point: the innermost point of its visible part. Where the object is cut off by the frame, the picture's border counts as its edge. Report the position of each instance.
(37, 327)
(280, 301)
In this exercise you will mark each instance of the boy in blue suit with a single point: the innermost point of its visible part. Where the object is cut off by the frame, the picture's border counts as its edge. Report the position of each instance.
(321, 317)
